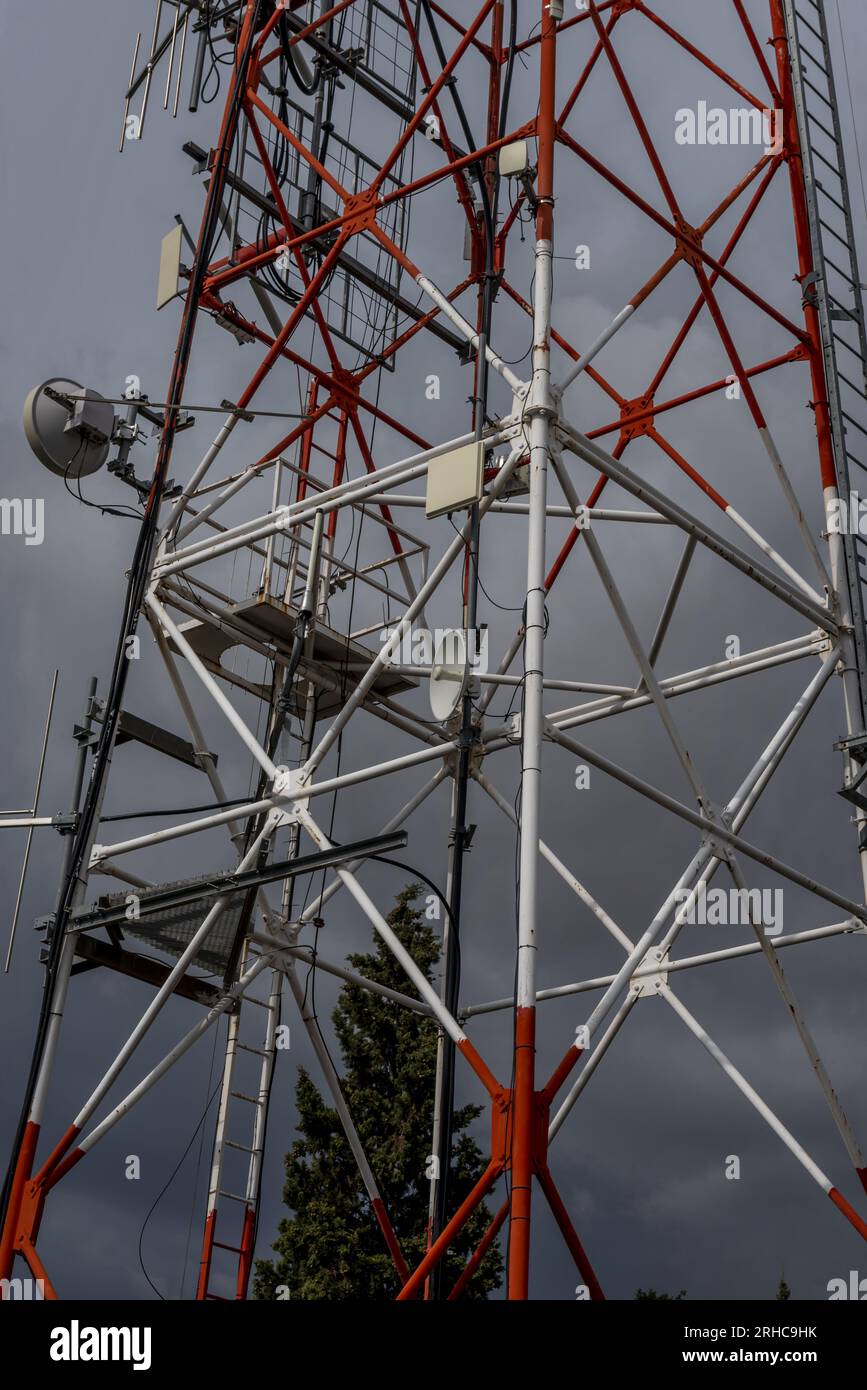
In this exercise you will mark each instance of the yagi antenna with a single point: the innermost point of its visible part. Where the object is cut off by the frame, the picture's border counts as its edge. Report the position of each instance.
(132, 124)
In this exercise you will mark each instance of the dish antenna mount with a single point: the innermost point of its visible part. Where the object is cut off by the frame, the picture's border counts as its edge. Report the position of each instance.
(68, 427)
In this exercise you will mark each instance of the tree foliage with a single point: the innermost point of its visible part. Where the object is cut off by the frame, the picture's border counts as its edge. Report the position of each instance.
(330, 1246)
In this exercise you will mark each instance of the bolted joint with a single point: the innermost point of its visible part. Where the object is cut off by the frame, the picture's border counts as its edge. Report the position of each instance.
(541, 402)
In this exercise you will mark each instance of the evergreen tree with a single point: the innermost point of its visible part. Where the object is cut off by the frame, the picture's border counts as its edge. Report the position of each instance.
(783, 1292)
(331, 1246)
(651, 1296)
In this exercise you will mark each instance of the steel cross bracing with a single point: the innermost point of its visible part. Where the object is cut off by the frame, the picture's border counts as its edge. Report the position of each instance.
(281, 583)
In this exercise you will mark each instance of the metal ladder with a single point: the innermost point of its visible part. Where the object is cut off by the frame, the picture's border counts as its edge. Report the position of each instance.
(837, 292)
(837, 289)
(233, 1191)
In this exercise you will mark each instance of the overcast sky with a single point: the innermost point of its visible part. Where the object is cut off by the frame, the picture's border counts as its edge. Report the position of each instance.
(641, 1161)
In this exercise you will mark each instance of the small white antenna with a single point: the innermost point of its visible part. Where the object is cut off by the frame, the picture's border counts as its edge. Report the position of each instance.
(449, 678)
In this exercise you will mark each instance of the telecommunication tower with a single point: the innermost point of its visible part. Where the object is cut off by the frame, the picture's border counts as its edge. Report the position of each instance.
(359, 145)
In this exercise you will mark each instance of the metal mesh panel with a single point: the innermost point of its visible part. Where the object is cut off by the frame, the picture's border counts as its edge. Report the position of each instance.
(171, 929)
(357, 299)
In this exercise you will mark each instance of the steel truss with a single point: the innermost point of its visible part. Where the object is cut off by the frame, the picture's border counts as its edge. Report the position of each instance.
(339, 225)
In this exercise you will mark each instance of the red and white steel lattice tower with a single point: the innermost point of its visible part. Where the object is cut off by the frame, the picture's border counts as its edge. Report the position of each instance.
(307, 256)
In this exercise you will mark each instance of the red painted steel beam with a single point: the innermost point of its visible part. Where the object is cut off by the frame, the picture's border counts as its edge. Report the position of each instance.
(702, 57)
(570, 23)
(569, 1234)
(308, 29)
(589, 66)
(753, 41)
(422, 109)
(464, 195)
(798, 354)
(479, 1253)
(725, 256)
(677, 235)
(457, 1223)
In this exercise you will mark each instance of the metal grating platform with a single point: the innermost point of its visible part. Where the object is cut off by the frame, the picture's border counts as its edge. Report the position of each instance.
(334, 665)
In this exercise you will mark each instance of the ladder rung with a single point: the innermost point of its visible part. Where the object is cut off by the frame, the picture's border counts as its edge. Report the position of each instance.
(854, 351)
(830, 196)
(835, 170)
(259, 1051)
(835, 233)
(245, 1148)
(811, 57)
(841, 273)
(853, 422)
(235, 1249)
(805, 20)
(233, 1196)
(838, 304)
(820, 95)
(239, 1095)
(852, 387)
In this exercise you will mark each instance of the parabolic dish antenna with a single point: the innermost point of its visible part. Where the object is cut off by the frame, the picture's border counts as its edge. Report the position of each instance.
(450, 674)
(71, 436)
